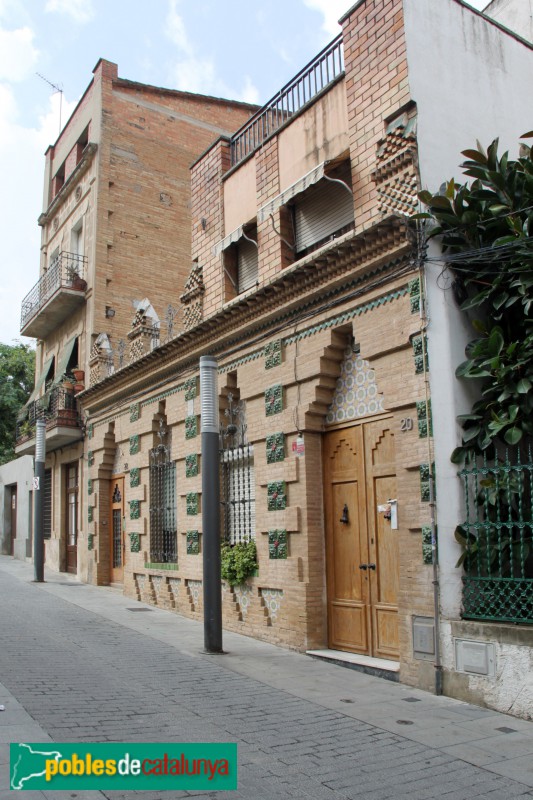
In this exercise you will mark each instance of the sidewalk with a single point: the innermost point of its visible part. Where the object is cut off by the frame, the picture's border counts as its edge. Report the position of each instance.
(498, 744)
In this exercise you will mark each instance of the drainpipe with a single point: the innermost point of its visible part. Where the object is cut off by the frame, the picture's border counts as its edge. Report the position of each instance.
(212, 586)
(38, 501)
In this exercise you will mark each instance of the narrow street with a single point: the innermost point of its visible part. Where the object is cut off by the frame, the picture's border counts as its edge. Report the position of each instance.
(80, 664)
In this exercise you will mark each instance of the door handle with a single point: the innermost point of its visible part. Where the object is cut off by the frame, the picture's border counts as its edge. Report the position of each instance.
(372, 566)
(363, 566)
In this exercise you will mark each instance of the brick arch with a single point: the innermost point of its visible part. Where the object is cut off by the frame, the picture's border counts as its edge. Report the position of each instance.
(100, 572)
(329, 371)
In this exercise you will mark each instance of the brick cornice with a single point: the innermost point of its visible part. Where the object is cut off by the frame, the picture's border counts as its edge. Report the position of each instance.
(325, 272)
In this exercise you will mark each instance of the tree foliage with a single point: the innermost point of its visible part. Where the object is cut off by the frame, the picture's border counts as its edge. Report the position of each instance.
(17, 372)
(485, 229)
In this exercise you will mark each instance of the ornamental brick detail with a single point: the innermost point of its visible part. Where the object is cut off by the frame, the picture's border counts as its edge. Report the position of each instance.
(135, 477)
(135, 509)
(192, 504)
(273, 354)
(193, 543)
(135, 543)
(135, 444)
(191, 427)
(191, 465)
(276, 495)
(191, 389)
(275, 448)
(277, 544)
(274, 400)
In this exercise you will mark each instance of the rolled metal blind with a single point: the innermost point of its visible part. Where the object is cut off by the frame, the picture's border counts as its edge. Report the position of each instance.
(320, 212)
(247, 262)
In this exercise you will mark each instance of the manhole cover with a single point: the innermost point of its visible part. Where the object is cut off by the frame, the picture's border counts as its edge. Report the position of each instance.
(507, 730)
(411, 700)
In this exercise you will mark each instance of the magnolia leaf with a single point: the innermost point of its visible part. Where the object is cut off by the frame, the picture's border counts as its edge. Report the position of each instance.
(475, 155)
(523, 386)
(513, 435)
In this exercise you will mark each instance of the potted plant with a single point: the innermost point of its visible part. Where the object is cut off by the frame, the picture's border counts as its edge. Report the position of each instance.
(238, 562)
(26, 430)
(79, 374)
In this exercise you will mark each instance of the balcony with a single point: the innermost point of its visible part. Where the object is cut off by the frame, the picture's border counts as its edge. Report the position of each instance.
(55, 296)
(311, 81)
(58, 407)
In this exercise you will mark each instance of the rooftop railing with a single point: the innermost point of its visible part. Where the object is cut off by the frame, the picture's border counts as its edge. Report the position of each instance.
(310, 81)
(67, 271)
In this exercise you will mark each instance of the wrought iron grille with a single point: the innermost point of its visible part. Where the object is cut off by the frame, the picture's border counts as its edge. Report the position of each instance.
(497, 537)
(310, 81)
(238, 493)
(57, 406)
(163, 529)
(237, 476)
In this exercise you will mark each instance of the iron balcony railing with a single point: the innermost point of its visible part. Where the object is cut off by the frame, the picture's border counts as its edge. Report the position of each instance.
(497, 539)
(58, 406)
(67, 271)
(316, 76)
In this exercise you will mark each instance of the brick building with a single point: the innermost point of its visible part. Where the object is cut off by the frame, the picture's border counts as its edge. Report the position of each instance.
(115, 237)
(336, 348)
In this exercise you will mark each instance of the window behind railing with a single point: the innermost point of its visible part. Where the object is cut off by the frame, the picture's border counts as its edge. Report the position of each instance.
(497, 539)
(163, 529)
(238, 493)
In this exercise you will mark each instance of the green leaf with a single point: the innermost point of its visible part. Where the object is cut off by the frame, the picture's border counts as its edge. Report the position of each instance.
(513, 435)
(523, 386)
(475, 155)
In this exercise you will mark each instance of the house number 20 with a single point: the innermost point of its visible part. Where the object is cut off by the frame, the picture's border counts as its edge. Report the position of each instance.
(406, 424)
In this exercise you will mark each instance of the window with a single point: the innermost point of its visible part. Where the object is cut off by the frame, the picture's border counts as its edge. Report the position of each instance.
(163, 528)
(238, 493)
(323, 211)
(76, 239)
(241, 263)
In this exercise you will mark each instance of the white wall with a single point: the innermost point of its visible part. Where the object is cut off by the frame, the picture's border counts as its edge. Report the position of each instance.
(470, 80)
(19, 473)
(514, 14)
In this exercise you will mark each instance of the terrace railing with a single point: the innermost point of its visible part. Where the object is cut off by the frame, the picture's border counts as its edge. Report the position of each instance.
(497, 539)
(66, 272)
(310, 81)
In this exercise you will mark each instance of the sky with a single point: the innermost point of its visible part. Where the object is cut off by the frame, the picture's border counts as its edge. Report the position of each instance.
(240, 49)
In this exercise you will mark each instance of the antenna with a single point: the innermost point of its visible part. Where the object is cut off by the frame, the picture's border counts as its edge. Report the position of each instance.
(56, 89)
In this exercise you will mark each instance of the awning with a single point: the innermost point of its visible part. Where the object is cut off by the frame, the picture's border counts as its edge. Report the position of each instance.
(233, 237)
(300, 186)
(62, 363)
(42, 378)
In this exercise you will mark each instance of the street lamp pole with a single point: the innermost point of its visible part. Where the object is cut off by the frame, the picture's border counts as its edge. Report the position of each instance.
(38, 500)
(212, 587)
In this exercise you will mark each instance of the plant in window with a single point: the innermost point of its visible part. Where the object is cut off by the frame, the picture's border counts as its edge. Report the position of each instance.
(239, 562)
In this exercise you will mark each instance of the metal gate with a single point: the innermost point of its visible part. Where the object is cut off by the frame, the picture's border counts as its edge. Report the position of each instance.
(163, 529)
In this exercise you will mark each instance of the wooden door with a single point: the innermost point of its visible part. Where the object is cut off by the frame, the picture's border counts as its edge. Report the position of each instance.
(117, 530)
(13, 520)
(72, 517)
(361, 548)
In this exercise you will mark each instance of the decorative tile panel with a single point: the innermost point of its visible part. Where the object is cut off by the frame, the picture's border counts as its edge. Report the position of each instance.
(134, 444)
(356, 393)
(135, 477)
(192, 504)
(425, 425)
(90, 458)
(274, 400)
(191, 465)
(135, 412)
(276, 495)
(272, 599)
(243, 595)
(420, 348)
(275, 448)
(277, 544)
(427, 553)
(414, 294)
(90, 541)
(135, 543)
(135, 509)
(191, 389)
(272, 354)
(191, 427)
(193, 543)
(90, 513)
(424, 482)
(90, 431)
(90, 488)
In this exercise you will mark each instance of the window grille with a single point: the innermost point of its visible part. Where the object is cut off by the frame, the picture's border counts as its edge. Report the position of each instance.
(237, 476)
(47, 507)
(497, 539)
(238, 493)
(163, 528)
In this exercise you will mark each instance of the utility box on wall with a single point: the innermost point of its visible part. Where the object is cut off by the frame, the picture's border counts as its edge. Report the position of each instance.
(424, 638)
(475, 658)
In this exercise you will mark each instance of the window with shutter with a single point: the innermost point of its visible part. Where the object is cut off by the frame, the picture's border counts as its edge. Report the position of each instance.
(322, 211)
